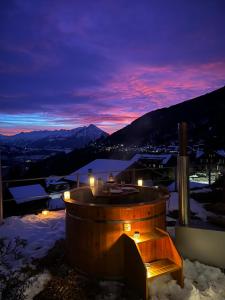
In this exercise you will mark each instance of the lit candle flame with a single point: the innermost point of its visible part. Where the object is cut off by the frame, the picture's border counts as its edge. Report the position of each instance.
(66, 195)
(45, 212)
(92, 181)
(140, 182)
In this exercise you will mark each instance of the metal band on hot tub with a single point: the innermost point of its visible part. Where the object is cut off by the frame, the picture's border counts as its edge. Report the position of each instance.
(117, 221)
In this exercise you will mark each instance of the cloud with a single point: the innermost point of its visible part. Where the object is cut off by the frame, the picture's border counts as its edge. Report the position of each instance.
(80, 62)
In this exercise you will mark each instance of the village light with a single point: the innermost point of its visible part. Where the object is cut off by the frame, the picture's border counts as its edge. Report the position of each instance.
(140, 182)
(66, 195)
(45, 212)
(126, 227)
(92, 181)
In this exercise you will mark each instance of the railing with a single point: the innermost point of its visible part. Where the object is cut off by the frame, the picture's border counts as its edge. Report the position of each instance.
(150, 176)
(158, 176)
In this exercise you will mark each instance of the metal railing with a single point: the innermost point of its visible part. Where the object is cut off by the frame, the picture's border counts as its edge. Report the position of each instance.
(150, 176)
(130, 176)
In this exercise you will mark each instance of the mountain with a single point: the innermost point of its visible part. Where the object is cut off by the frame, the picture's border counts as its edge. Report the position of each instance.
(205, 116)
(74, 138)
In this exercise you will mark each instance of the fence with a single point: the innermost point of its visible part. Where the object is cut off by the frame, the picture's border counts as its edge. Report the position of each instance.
(54, 186)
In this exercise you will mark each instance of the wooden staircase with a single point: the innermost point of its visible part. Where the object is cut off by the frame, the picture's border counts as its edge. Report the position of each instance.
(151, 255)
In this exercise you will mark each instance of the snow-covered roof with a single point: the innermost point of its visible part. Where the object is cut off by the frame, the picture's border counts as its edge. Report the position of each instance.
(199, 153)
(54, 180)
(101, 168)
(26, 193)
(221, 152)
(163, 157)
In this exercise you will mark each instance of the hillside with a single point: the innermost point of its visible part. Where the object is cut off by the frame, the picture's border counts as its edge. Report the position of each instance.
(204, 115)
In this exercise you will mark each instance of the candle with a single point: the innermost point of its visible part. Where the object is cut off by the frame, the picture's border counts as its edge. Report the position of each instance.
(45, 212)
(140, 182)
(92, 181)
(137, 236)
(66, 195)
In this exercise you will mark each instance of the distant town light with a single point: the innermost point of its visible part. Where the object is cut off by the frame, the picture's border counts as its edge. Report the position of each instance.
(140, 182)
(126, 227)
(92, 181)
(45, 212)
(66, 195)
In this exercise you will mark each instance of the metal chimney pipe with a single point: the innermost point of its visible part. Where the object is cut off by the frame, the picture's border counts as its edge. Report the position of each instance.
(183, 176)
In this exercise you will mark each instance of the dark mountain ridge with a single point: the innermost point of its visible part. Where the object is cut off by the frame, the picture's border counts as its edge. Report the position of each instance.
(205, 116)
(74, 138)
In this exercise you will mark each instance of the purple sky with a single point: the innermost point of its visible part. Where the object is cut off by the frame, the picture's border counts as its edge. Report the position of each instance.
(65, 64)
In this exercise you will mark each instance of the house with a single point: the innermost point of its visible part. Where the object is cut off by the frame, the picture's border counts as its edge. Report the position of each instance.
(100, 168)
(29, 198)
(124, 170)
(155, 160)
(214, 160)
(56, 184)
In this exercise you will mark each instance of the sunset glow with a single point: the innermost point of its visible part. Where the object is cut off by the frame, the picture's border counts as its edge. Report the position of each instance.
(70, 64)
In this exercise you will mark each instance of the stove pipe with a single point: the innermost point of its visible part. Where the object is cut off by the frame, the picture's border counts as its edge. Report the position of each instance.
(183, 176)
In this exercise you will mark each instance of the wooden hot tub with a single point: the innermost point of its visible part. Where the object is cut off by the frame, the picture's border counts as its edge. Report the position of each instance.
(94, 226)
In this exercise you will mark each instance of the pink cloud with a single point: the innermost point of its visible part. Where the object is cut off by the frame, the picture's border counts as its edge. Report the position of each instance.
(135, 90)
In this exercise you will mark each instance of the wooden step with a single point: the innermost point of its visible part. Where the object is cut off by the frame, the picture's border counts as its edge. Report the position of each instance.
(160, 267)
(153, 235)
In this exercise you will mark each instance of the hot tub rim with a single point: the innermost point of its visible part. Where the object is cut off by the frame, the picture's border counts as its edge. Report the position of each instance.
(127, 205)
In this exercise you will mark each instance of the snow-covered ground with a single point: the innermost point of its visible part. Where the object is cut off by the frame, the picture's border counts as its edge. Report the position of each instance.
(38, 231)
(34, 235)
(24, 239)
(195, 206)
(201, 283)
(192, 186)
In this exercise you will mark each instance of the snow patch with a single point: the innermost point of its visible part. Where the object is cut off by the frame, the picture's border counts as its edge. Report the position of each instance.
(201, 282)
(39, 234)
(194, 206)
(35, 285)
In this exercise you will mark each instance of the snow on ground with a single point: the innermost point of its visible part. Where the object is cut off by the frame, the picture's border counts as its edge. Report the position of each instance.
(35, 285)
(40, 233)
(192, 186)
(203, 190)
(195, 206)
(201, 283)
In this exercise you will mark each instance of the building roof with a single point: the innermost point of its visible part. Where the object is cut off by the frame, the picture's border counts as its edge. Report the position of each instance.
(221, 152)
(27, 193)
(103, 167)
(199, 153)
(100, 168)
(164, 158)
(54, 180)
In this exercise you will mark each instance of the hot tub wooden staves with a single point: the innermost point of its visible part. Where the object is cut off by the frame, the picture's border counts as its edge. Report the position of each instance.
(96, 231)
